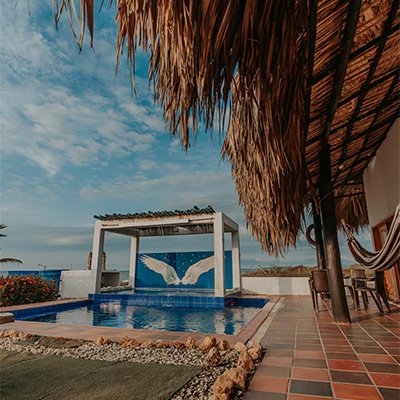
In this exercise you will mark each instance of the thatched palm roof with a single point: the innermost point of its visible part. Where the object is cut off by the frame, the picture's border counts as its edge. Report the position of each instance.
(289, 73)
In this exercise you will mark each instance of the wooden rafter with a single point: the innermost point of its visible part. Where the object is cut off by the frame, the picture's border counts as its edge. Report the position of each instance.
(368, 80)
(342, 61)
(374, 42)
(377, 114)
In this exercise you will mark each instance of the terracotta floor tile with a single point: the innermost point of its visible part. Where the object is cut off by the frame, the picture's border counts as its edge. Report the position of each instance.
(293, 396)
(310, 374)
(255, 395)
(309, 363)
(369, 350)
(348, 391)
(269, 384)
(350, 377)
(277, 361)
(311, 388)
(386, 380)
(309, 354)
(376, 358)
(381, 367)
(342, 356)
(390, 394)
(281, 372)
(348, 365)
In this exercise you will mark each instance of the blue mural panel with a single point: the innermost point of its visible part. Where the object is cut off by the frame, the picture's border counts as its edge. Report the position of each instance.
(180, 270)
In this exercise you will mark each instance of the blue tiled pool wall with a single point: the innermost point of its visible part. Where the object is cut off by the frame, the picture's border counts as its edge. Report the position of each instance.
(49, 309)
(181, 262)
(161, 301)
(179, 301)
(48, 275)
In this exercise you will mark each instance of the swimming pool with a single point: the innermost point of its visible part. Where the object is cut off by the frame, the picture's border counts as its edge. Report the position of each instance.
(228, 320)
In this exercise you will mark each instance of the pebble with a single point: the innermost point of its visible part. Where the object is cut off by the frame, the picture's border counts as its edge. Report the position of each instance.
(199, 388)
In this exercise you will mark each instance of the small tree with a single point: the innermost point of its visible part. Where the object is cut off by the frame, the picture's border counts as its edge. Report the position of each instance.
(7, 260)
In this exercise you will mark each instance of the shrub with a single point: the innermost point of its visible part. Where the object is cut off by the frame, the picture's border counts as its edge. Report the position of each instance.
(23, 289)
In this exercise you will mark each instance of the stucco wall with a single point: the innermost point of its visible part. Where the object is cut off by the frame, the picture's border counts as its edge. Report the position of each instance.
(275, 286)
(76, 283)
(382, 178)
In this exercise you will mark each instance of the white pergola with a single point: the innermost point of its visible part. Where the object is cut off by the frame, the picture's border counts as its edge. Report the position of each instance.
(191, 222)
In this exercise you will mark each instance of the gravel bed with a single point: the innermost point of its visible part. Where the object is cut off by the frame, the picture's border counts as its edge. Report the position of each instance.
(199, 388)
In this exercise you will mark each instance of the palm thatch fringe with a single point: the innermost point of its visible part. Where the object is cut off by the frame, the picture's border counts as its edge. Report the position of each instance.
(249, 59)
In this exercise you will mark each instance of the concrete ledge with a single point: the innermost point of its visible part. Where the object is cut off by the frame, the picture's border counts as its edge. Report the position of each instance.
(275, 285)
(6, 317)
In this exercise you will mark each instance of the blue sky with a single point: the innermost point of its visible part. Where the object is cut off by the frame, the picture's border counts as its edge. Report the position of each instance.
(75, 142)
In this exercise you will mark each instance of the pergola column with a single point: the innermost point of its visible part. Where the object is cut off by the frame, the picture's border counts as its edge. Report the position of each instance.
(97, 256)
(219, 255)
(236, 278)
(133, 260)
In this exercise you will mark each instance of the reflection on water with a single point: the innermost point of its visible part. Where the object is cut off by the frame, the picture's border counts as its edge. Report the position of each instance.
(115, 314)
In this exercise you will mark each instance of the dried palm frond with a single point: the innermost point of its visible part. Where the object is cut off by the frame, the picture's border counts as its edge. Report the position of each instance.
(351, 207)
(201, 52)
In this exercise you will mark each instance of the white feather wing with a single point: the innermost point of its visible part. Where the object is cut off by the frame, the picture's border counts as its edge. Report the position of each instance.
(194, 271)
(168, 273)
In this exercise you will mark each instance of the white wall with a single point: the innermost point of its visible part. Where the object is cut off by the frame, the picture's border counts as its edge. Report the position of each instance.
(275, 286)
(382, 178)
(77, 283)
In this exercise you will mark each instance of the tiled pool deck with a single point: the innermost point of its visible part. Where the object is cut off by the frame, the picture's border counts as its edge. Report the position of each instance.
(310, 357)
(93, 332)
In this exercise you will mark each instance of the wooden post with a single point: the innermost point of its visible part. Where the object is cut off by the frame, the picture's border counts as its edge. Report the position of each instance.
(319, 242)
(340, 308)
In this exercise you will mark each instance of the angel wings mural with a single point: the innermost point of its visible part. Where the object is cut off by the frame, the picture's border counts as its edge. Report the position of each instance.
(169, 274)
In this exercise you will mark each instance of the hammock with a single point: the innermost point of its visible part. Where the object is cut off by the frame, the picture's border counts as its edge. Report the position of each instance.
(384, 258)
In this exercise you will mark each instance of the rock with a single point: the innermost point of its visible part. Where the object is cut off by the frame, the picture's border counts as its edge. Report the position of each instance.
(190, 343)
(238, 377)
(254, 353)
(222, 387)
(245, 361)
(101, 341)
(223, 345)
(9, 333)
(257, 346)
(213, 357)
(127, 342)
(6, 317)
(147, 344)
(24, 336)
(207, 343)
(178, 345)
(240, 346)
(161, 344)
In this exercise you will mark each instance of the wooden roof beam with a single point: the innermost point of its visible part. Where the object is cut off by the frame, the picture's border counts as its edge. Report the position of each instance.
(388, 24)
(374, 42)
(375, 83)
(341, 68)
(377, 114)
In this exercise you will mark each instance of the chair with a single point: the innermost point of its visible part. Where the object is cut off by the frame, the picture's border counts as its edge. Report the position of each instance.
(318, 283)
(366, 284)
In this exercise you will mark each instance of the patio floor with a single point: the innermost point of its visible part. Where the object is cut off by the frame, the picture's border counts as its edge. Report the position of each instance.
(310, 357)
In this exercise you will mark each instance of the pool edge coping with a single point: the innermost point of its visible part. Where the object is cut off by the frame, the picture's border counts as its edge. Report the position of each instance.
(88, 332)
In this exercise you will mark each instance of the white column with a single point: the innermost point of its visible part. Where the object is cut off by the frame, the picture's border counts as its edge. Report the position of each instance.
(236, 278)
(97, 254)
(219, 255)
(133, 260)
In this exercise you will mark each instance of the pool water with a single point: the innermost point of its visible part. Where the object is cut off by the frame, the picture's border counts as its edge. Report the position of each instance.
(228, 320)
